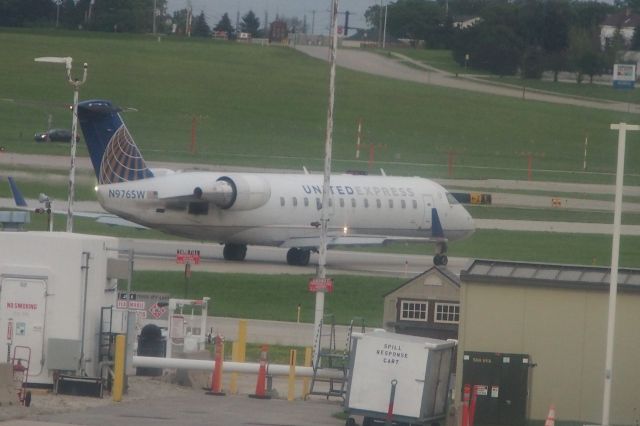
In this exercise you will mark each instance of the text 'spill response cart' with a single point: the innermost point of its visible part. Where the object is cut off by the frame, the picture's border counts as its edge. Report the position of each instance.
(399, 378)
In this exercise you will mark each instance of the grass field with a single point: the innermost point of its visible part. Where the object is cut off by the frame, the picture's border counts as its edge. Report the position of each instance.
(266, 106)
(244, 295)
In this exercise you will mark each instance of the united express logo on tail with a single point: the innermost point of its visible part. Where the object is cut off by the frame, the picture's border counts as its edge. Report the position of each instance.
(114, 154)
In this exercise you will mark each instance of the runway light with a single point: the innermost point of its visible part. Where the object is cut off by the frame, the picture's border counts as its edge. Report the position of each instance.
(345, 230)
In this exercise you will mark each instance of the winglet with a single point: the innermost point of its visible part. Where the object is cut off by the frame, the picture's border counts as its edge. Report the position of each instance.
(436, 226)
(17, 196)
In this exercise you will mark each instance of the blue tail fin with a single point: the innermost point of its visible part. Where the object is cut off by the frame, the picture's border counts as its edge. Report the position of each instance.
(17, 195)
(113, 152)
(436, 226)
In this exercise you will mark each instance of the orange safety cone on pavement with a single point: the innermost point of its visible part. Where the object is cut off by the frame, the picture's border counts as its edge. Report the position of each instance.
(216, 379)
(466, 396)
(262, 375)
(551, 417)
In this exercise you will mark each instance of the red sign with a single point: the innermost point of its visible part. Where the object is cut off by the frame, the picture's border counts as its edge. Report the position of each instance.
(321, 284)
(188, 256)
(10, 331)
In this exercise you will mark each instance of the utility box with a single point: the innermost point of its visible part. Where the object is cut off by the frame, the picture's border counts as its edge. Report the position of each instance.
(502, 386)
(52, 288)
(411, 374)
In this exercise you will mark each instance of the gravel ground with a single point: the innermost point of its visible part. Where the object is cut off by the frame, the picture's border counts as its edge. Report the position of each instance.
(140, 388)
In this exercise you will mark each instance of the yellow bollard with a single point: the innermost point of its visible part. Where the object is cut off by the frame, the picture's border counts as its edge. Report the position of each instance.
(305, 381)
(235, 357)
(292, 375)
(118, 380)
(242, 340)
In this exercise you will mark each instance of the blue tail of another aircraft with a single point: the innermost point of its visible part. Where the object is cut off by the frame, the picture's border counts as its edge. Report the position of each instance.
(114, 154)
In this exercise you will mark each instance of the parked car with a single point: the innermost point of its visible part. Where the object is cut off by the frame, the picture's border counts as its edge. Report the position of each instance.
(54, 135)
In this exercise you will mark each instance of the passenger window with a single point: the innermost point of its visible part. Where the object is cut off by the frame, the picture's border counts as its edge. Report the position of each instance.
(341, 202)
(390, 203)
(306, 202)
(366, 203)
(415, 204)
(281, 201)
(318, 203)
(294, 201)
(330, 202)
(353, 203)
(403, 204)
(378, 203)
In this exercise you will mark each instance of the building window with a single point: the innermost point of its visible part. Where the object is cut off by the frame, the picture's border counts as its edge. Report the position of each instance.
(413, 310)
(448, 313)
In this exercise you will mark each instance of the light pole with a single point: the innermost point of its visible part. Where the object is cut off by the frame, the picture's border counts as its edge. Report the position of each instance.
(622, 129)
(75, 83)
(384, 31)
(326, 185)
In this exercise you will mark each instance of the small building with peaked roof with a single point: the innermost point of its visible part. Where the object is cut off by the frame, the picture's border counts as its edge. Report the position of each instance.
(624, 21)
(427, 305)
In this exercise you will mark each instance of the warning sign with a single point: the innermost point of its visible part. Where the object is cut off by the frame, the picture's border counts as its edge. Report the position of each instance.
(157, 311)
(321, 284)
(188, 256)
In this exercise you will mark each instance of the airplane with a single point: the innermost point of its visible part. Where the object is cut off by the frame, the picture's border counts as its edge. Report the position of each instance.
(238, 209)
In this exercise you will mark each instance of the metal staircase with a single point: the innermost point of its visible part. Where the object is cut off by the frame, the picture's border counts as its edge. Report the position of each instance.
(330, 357)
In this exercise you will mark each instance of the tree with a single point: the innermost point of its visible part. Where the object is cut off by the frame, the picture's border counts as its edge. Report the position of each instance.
(19, 13)
(250, 24)
(200, 27)
(224, 24)
(635, 40)
(584, 54)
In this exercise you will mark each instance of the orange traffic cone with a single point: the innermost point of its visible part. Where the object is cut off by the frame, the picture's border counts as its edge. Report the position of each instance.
(216, 379)
(262, 375)
(551, 417)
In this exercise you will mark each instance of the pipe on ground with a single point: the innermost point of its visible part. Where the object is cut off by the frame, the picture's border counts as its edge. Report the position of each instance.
(232, 367)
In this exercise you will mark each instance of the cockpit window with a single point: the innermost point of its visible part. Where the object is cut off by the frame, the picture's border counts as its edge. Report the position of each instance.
(452, 199)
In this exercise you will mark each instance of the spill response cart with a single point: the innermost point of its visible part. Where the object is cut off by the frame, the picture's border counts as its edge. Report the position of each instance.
(398, 378)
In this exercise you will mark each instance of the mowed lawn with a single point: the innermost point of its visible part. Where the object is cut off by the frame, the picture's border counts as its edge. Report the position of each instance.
(266, 106)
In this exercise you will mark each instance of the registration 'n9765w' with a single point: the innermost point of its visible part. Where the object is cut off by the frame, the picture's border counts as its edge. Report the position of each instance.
(129, 194)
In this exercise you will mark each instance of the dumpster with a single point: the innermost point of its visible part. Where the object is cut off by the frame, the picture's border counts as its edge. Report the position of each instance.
(396, 378)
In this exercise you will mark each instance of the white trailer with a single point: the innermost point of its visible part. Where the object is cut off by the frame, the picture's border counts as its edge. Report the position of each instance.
(398, 378)
(52, 288)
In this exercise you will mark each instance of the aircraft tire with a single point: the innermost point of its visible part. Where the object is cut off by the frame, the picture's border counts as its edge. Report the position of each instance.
(298, 257)
(235, 252)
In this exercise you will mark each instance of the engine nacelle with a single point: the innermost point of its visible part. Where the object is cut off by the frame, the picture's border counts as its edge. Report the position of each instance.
(236, 192)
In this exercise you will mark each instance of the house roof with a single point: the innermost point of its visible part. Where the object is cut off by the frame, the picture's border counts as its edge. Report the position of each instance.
(440, 270)
(548, 275)
(622, 19)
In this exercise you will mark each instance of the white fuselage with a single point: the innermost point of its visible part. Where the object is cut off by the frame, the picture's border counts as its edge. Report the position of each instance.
(362, 205)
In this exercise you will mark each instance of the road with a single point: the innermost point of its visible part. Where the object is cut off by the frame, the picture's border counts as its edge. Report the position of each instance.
(392, 67)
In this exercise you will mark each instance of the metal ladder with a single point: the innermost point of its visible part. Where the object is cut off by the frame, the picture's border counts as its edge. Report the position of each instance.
(105, 344)
(332, 358)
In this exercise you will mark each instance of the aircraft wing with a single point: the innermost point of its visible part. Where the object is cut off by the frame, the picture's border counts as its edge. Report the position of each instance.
(357, 241)
(104, 218)
(437, 236)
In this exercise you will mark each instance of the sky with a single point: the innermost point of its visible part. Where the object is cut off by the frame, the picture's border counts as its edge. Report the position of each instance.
(214, 9)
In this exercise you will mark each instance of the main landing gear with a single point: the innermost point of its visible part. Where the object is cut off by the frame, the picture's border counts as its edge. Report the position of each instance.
(441, 259)
(298, 256)
(236, 252)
